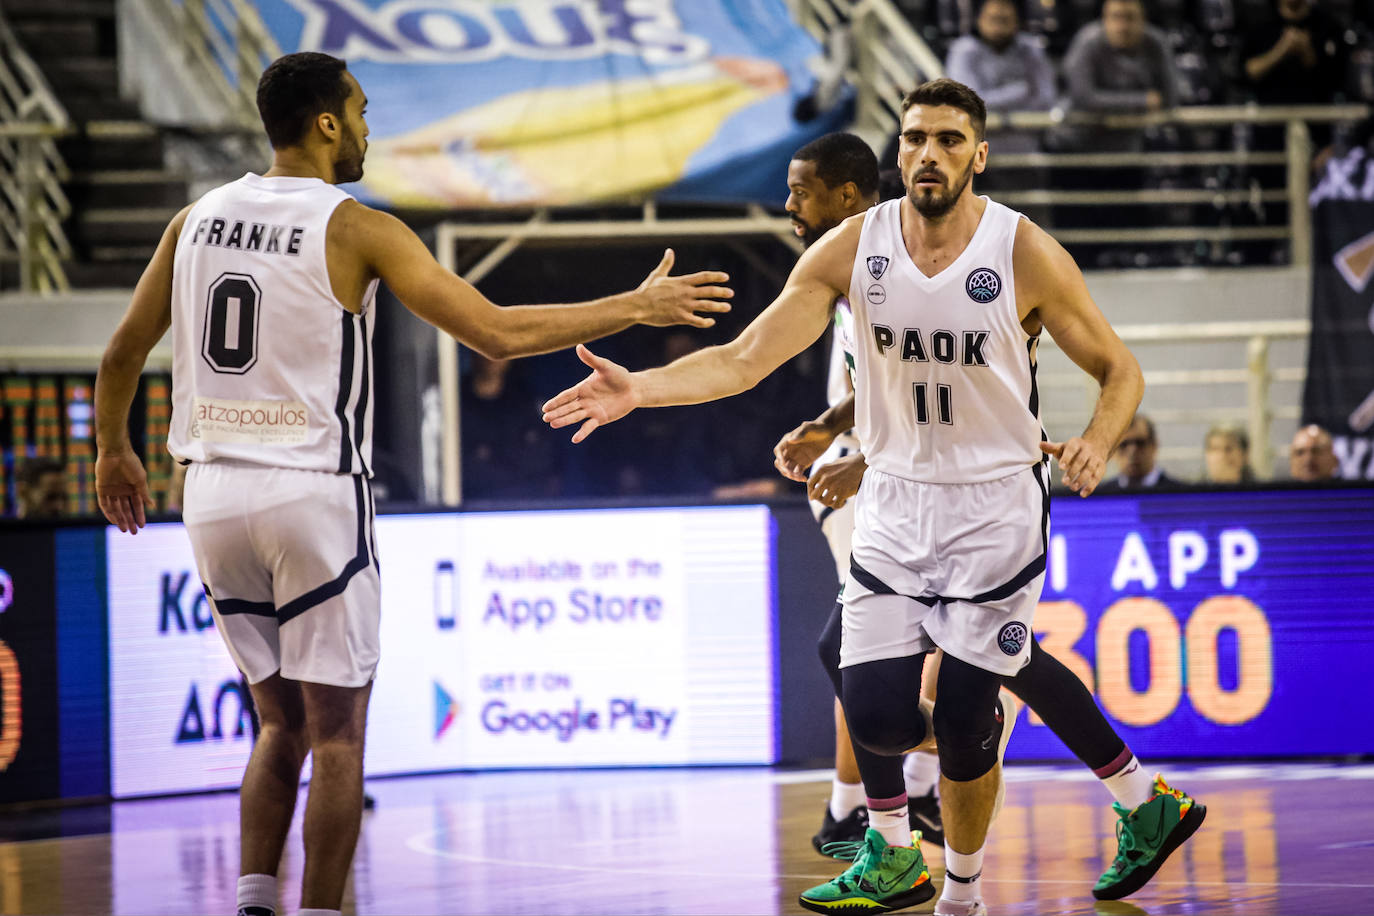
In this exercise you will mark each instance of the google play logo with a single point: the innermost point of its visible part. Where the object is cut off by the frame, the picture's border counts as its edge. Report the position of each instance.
(445, 711)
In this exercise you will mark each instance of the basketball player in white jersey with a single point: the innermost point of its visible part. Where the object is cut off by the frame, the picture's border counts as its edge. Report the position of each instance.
(268, 285)
(950, 292)
(824, 178)
(829, 180)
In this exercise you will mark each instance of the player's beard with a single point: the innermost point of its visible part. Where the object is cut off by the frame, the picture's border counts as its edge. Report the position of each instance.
(811, 234)
(348, 165)
(935, 205)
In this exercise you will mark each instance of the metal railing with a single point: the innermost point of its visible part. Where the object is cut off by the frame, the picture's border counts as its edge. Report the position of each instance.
(888, 57)
(1295, 160)
(32, 203)
(227, 45)
(1256, 414)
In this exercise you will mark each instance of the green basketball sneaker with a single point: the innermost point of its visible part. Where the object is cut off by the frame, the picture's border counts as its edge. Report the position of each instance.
(881, 879)
(1145, 837)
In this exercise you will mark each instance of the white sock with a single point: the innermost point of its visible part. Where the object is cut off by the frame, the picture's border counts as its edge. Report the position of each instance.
(968, 868)
(304, 912)
(258, 891)
(1130, 784)
(921, 771)
(845, 797)
(893, 823)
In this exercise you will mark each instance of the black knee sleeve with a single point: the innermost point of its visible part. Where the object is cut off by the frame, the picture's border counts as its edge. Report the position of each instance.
(828, 646)
(882, 703)
(966, 727)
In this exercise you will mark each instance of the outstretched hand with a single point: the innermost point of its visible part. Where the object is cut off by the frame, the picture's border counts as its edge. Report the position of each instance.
(121, 489)
(1082, 463)
(676, 300)
(602, 397)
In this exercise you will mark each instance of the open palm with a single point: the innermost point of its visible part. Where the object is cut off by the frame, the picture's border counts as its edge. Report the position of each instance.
(602, 397)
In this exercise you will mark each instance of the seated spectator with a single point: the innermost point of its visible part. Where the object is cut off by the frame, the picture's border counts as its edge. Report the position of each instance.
(1135, 460)
(1226, 455)
(1311, 457)
(1296, 56)
(1120, 64)
(505, 453)
(1008, 68)
(42, 489)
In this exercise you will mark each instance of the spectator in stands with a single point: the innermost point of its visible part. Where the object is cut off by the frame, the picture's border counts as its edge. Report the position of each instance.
(42, 489)
(1296, 56)
(1135, 459)
(1008, 68)
(1226, 456)
(1118, 64)
(1311, 457)
(505, 456)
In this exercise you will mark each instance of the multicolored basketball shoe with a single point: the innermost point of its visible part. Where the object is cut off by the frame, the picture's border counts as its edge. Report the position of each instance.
(1146, 836)
(881, 879)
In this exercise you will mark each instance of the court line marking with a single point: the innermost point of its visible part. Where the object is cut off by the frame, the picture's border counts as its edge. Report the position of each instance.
(1298, 772)
(422, 843)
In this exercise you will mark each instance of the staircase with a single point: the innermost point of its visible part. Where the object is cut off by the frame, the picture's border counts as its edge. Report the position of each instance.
(122, 193)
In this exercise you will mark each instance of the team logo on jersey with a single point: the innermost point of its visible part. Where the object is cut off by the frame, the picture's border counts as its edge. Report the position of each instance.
(876, 294)
(877, 266)
(1011, 639)
(983, 285)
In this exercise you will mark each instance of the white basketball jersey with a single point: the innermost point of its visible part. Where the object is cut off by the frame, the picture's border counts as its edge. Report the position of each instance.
(268, 367)
(945, 373)
(841, 379)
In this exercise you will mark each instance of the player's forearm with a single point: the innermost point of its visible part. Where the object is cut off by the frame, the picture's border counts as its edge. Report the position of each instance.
(115, 386)
(838, 419)
(1122, 388)
(706, 375)
(528, 330)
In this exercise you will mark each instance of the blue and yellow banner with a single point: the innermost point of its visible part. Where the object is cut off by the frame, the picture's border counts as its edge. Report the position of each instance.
(491, 103)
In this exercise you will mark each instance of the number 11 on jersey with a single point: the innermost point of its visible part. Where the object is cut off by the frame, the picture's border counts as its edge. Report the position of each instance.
(943, 403)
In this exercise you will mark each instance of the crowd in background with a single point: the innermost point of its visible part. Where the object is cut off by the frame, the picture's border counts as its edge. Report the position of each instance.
(1226, 456)
(1084, 55)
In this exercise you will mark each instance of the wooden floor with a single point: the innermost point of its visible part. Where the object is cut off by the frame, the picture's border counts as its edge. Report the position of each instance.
(1278, 840)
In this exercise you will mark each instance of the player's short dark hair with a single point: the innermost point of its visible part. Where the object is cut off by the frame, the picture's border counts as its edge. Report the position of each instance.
(32, 472)
(297, 88)
(945, 91)
(841, 157)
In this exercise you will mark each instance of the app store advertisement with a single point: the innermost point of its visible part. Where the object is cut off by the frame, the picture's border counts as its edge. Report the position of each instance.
(576, 638)
(531, 639)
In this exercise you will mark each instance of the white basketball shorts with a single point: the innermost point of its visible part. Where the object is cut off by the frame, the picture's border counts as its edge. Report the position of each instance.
(837, 524)
(954, 566)
(289, 562)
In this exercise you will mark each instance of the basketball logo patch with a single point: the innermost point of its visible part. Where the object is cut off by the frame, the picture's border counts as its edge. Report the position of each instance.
(983, 285)
(877, 266)
(1011, 639)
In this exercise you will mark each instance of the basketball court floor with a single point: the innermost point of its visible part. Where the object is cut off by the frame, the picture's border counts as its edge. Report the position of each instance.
(1279, 839)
